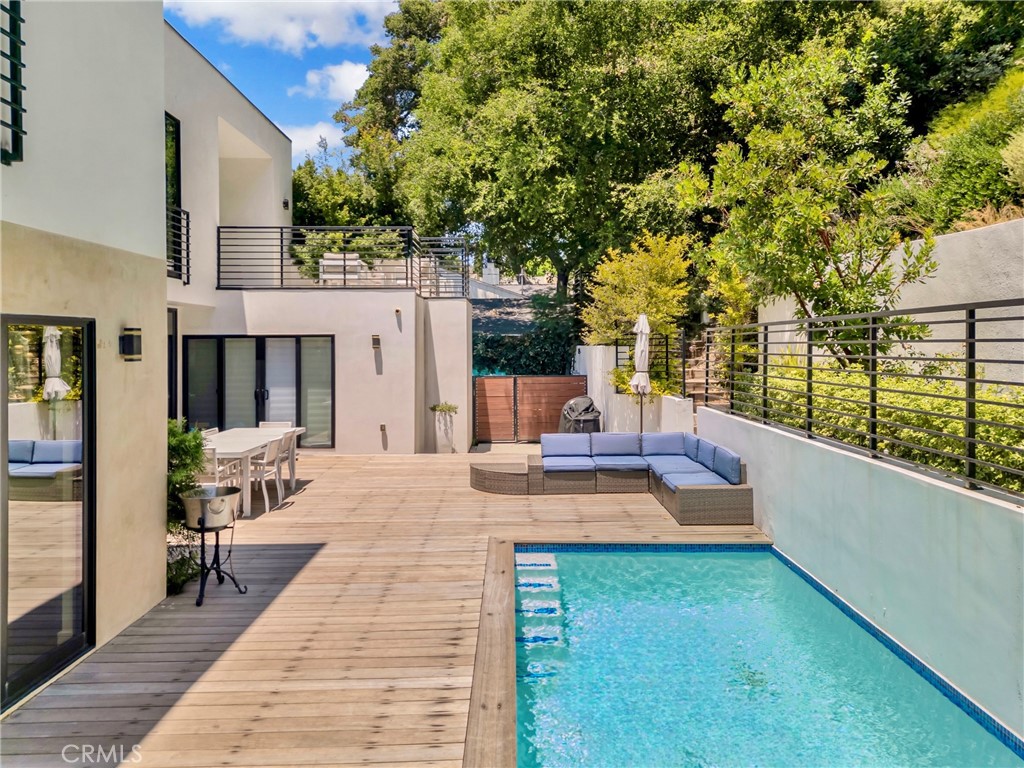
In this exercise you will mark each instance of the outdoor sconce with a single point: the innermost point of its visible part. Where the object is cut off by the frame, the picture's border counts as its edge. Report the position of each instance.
(284, 204)
(130, 344)
(375, 342)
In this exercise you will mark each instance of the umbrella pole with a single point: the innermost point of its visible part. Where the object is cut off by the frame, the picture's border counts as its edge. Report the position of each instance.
(641, 412)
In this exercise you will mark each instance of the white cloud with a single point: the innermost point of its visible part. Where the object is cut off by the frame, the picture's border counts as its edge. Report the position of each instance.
(290, 25)
(337, 82)
(305, 137)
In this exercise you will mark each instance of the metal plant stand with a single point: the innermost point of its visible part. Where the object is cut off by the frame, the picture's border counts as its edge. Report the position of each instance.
(215, 565)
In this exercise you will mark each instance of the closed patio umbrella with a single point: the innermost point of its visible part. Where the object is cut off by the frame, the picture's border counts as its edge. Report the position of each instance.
(54, 387)
(640, 384)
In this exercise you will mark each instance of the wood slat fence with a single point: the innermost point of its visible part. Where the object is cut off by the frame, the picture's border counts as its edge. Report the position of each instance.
(521, 408)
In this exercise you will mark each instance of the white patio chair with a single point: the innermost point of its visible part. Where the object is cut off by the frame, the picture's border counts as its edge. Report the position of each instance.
(220, 471)
(289, 451)
(266, 465)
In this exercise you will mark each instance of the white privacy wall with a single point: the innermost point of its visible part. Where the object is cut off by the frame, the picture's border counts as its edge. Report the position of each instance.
(939, 568)
(621, 412)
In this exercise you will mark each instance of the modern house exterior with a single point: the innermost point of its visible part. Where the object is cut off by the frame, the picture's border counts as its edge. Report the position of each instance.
(355, 347)
(140, 190)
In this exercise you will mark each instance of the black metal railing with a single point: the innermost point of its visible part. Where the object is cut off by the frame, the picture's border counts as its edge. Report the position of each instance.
(940, 387)
(12, 89)
(179, 245)
(664, 361)
(262, 258)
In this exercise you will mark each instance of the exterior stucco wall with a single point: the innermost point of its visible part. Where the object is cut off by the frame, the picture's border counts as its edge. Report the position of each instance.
(939, 568)
(370, 388)
(93, 167)
(48, 274)
(446, 355)
(235, 164)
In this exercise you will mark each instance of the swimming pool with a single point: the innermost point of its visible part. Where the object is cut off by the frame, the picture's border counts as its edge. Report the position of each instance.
(727, 658)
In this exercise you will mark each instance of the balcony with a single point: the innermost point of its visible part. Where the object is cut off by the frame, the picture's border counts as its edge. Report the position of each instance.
(179, 262)
(267, 258)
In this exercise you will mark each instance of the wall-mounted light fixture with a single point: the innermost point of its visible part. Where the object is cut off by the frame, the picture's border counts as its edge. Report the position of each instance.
(129, 344)
(375, 341)
(284, 204)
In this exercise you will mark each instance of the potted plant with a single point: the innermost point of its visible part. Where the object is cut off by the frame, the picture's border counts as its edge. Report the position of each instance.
(444, 439)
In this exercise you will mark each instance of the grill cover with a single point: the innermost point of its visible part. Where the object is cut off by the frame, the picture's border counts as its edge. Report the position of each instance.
(580, 415)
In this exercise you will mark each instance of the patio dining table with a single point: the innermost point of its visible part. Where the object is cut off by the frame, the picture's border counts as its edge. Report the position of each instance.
(243, 443)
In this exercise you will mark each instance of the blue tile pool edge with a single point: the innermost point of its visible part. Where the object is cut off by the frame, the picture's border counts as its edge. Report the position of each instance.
(1007, 737)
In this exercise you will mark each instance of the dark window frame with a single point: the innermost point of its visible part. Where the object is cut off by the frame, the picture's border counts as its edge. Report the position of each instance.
(47, 667)
(260, 364)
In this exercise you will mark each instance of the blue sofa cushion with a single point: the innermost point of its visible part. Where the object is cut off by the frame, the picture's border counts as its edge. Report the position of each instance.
(706, 454)
(663, 443)
(667, 465)
(559, 444)
(568, 463)
(48, 469)
(13, 466)
(19, 451)
(691, 444)
(621, 462)
(685, 479)
(57, 451)
(727, 464)
(615, 444)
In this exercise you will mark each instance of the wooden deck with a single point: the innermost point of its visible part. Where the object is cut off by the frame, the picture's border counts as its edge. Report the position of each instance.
(356, 642)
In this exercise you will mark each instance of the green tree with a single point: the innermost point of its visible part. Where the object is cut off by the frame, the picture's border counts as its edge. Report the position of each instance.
(650, 278)
(541, 122)
(798, 219)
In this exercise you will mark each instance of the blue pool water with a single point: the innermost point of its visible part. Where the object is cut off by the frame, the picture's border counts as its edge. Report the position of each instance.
(635, 659)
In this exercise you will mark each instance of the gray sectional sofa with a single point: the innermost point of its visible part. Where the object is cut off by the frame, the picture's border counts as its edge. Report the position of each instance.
(44, 470)
(697, 481)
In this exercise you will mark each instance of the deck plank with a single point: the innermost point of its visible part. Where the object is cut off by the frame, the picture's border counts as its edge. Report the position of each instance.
(357, 640)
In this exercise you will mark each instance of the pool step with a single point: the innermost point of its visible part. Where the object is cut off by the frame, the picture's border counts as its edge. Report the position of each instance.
(540, 617)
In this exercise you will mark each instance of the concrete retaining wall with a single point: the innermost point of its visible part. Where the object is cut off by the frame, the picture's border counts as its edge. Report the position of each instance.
(939, 568)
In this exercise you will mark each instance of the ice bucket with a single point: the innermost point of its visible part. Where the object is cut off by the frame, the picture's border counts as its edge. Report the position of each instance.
(217, 504)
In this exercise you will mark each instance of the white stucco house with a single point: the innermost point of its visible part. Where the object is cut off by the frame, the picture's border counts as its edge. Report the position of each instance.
(142, 196)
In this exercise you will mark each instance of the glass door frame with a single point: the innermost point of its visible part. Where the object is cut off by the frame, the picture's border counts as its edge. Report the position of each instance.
(260, 373)
(62, 656)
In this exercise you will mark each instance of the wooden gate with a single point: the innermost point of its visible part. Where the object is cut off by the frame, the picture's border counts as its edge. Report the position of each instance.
(521, 408)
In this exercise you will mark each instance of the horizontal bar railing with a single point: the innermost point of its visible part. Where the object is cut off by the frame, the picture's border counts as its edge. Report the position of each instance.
(939, 389)
(263, 258)
(179, 245)
(12, 87)
(664, 361)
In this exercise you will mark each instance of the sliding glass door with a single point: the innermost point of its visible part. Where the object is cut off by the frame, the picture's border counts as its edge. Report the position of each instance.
(239, 381)
(46, 505)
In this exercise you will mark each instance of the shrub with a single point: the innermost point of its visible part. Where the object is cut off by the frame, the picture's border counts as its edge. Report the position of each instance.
(185, 461)
(937, 427)
(1013, 160)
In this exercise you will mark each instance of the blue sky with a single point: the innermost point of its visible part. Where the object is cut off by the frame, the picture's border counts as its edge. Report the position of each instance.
(297, 60)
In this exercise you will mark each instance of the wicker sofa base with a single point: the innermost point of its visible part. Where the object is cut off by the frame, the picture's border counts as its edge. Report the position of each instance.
(622, 481)
(65, 486)
(508, 479)
(709, 504)
(569, 482)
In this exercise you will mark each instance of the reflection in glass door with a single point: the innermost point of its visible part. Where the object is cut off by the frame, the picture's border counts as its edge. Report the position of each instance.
(47, 512)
